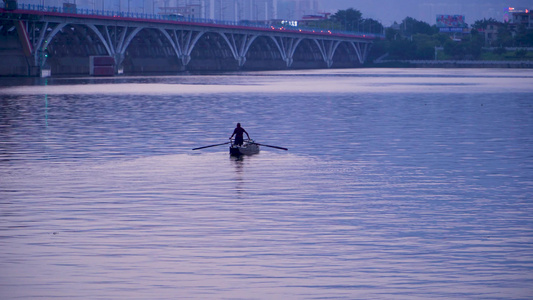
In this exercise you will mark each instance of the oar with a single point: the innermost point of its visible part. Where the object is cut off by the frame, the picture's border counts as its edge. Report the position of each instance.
(211, 146)
(270, 146)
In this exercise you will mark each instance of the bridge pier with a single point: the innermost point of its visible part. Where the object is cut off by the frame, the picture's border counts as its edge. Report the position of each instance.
(288, 61)
(182, 42)
(327, 49)
(185, 59)
(239, 45)
(287, 46)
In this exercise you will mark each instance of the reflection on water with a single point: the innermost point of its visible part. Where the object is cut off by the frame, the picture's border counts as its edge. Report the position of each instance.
(310, 81)
(382, 195)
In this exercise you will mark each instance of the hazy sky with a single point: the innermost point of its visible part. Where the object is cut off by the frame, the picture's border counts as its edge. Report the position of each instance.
(385, 11)
(388, 11)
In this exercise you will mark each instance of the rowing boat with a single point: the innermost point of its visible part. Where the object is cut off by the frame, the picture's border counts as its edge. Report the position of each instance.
(249, 147)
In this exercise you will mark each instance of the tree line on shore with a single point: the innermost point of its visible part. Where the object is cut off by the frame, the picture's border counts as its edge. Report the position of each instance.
(417, 40)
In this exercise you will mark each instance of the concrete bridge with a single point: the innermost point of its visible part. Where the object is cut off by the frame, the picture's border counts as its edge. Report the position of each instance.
(33, 38)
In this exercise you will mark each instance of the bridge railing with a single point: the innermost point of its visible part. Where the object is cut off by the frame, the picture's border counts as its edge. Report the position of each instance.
(145, 16)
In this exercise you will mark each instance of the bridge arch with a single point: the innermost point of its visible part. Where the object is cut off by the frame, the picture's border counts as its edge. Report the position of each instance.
(287, 46)
(264, 54)
(345, 55)
(308, 55)
(183, 42)
(239, 44)
(327, 48)
(62, 41)
(148, 50)
(212, 52)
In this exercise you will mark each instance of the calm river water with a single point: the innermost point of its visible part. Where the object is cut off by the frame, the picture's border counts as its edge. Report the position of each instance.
(398, 184)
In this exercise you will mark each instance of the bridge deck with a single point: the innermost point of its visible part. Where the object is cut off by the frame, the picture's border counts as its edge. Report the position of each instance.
(162, 19)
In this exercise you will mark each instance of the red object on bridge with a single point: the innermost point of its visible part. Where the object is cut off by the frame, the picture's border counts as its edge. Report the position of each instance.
(102, 65)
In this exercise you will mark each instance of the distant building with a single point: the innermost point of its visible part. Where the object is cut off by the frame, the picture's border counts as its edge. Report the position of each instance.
(255, 9)
(517, 20)
(491, 32)
(296, 9)
(310, 19)
(287, 10)
(191, 11)
(523, 18)
(307, 7)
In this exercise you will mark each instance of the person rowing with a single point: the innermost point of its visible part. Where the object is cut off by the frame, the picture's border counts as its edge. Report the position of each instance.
(239, 135)
(237, 147)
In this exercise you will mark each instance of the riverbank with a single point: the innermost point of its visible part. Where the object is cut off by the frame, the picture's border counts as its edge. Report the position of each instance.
(523, 64)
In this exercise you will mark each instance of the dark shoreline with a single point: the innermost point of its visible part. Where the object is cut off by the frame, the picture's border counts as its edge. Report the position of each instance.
(524, 64)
